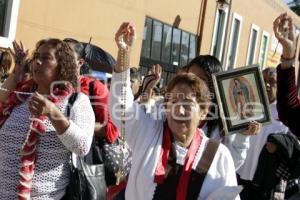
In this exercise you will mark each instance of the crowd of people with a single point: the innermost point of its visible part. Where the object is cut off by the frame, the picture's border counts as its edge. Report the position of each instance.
(179, 147)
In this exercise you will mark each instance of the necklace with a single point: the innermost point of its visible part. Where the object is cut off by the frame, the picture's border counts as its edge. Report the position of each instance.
(16, 92)
(124, 62)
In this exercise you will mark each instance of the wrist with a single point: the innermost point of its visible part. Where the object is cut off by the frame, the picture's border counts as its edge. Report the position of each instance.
(54, 113)
(148, 91)
(288, 56)
(15, 76)
(123, 60)
(288, 53)
(287, 61)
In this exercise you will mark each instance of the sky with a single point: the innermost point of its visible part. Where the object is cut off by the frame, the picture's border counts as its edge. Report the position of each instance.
(286, 1)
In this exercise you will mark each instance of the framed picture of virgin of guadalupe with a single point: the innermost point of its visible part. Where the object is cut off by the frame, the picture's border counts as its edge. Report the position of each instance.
(241, 97)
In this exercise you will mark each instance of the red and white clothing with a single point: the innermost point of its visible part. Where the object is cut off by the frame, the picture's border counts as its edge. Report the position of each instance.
(52, 169)
(144, 136)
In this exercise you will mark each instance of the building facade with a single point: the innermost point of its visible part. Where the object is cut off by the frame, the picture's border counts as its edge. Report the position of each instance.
(169, 32)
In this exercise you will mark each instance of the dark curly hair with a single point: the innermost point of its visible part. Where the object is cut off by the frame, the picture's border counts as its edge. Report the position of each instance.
(80, 51)
(65, 59)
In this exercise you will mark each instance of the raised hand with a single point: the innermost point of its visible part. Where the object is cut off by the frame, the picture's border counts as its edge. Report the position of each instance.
(153, 78)
(149, 82)
(19, 55)
(18, 52)
(284, 31)
(125, 36)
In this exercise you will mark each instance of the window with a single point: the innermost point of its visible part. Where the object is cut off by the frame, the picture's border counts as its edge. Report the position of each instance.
(8, 21)
(176, 46)
(252, 45)
(234, 40)
(3, 8)
(193, 47)
(168, 46)
(263, 49)
(156, 41)
(218, 35)
(146, 46)
(184, 48)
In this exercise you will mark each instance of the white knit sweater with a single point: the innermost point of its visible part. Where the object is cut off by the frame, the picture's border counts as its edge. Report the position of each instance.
(51, 175)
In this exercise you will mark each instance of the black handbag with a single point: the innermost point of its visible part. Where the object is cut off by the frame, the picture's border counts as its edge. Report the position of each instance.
(117, 159)
(87, 183)
(117, 156)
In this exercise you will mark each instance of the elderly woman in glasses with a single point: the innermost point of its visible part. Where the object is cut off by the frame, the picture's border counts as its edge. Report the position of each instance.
(168, 155)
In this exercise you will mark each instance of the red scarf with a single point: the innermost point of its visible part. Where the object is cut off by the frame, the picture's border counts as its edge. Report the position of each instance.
(160, 170)
(37, 127)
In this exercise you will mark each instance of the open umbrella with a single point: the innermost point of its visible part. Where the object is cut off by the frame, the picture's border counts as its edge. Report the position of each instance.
(98, 59)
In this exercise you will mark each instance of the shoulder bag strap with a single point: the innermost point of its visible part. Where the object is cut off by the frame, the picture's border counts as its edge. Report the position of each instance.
(71, 102)
(198, 176)
(91, 92)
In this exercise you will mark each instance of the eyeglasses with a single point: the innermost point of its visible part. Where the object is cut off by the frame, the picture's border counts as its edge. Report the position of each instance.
(186, 105)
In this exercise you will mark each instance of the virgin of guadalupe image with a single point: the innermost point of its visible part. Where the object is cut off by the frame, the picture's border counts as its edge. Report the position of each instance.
(242, 105)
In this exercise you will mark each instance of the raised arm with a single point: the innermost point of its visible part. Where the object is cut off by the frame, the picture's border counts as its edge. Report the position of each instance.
(121, 98)
(288, 103)
(124, 38)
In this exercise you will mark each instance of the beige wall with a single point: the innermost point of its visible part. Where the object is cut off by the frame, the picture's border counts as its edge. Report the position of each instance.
(98, 19)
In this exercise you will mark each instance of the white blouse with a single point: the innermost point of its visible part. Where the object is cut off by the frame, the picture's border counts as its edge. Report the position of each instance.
(144, 136)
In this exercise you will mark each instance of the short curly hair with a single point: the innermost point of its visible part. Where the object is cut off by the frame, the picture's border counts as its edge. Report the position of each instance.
(65, 59)
(198, 86)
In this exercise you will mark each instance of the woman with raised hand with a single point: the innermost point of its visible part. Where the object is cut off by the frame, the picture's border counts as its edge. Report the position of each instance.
(168, 155)
(288, 103)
